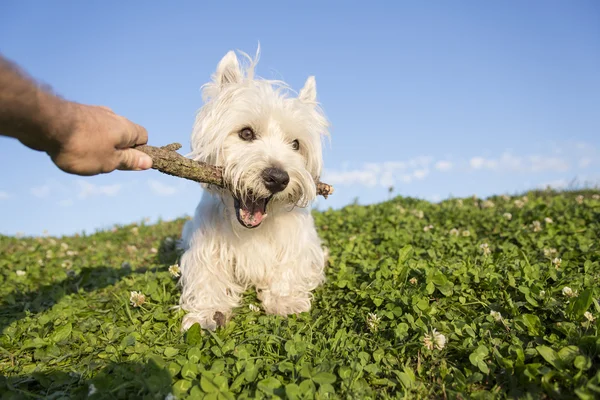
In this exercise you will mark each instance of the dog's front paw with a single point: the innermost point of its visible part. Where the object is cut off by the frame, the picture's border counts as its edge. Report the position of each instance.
(284, 305)
(208, 320)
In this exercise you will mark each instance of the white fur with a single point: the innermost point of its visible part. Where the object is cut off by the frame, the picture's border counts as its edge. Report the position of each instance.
(283, 258)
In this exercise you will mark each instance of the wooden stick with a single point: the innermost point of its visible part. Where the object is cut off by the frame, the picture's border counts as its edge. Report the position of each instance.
(166, 160)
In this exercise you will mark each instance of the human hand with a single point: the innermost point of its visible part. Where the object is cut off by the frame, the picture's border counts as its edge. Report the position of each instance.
(95, 140)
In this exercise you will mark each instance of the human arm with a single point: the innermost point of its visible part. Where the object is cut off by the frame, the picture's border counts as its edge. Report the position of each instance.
(80, 139)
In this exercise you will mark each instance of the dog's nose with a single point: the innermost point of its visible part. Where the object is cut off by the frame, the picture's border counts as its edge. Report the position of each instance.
(275, 179)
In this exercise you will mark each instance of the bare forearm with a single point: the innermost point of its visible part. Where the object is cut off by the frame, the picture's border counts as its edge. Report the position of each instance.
(80, 139)
(28, 111)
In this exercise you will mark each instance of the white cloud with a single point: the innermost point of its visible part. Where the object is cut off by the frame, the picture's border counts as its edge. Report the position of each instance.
(540, 164)
(387, 179)
(420, 174)
(3, 195)
(480, 162)
(363, 177)
(443, 165)
(41, 191)
(87, 189)
(65, 203)
(161, 189)
(406, 178)
(421, 161)
(510, 162)
(384, 174)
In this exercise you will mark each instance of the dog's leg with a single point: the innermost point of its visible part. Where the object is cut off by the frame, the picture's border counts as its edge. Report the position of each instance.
(208, 292)
(289, 290)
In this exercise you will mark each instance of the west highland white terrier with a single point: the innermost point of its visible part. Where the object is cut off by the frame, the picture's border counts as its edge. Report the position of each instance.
(258, 232)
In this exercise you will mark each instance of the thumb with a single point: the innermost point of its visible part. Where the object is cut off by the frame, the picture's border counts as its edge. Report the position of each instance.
(134, 160)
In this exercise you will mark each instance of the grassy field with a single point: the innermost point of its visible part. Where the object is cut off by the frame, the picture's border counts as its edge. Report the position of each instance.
(469, 298)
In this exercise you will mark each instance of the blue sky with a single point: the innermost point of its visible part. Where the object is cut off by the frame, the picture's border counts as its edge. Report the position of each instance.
(435, 98)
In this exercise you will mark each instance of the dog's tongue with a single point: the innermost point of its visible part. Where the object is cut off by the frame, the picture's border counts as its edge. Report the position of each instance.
(252, 211)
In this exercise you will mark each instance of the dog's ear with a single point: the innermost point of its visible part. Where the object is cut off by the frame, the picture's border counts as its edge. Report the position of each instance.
(228, 70)
(308, 94)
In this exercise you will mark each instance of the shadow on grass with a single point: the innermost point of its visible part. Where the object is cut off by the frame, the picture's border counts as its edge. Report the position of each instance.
(16, 306)
(115, 381)
(127, 380)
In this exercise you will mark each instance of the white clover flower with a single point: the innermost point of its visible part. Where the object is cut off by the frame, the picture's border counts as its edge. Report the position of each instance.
(428, 342)
(486, 249)
(596, 196)
(568, 292)
(131, 248)
(542, 293)
(401, 209)
(440, 340)
(20, 272)
(135, 230)
(254, 308)
(548, 220)
(49, 254)
(466, 233)
(488, 204)
(588, 315)
(418, 213)
(454, 232)
(505, 197)
(557, 262)
(64, 246)
(373, 322)
(507, 215)
(496, 315)
(579, 199)
(413, 281)
(537, 226)
(519, 203)
(72, 253)
(175, 270)
(427, 228)
(435, 340)
(41, 262)
(92, 390)
(137, 299)
(153, 250)
(549, 252)
(67, 264)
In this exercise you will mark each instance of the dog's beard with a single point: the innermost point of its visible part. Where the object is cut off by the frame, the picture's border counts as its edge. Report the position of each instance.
(250, 210)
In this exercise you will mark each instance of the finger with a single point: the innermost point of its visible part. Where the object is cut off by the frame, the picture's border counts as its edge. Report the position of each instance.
(141, 135)
(134, 135)
(134, 160)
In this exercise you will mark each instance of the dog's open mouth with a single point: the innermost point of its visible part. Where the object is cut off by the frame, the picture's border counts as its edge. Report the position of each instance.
(250, 212)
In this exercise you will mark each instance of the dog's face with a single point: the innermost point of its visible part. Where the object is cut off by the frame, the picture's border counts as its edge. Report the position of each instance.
(268, 144)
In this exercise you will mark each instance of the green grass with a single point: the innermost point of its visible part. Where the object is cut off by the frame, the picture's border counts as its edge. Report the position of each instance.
(397, 271)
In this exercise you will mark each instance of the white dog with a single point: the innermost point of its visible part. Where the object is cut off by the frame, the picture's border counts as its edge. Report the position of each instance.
(259, 232)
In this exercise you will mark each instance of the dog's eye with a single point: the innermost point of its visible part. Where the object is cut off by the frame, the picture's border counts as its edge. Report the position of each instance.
(295, 145)
(247, 134)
